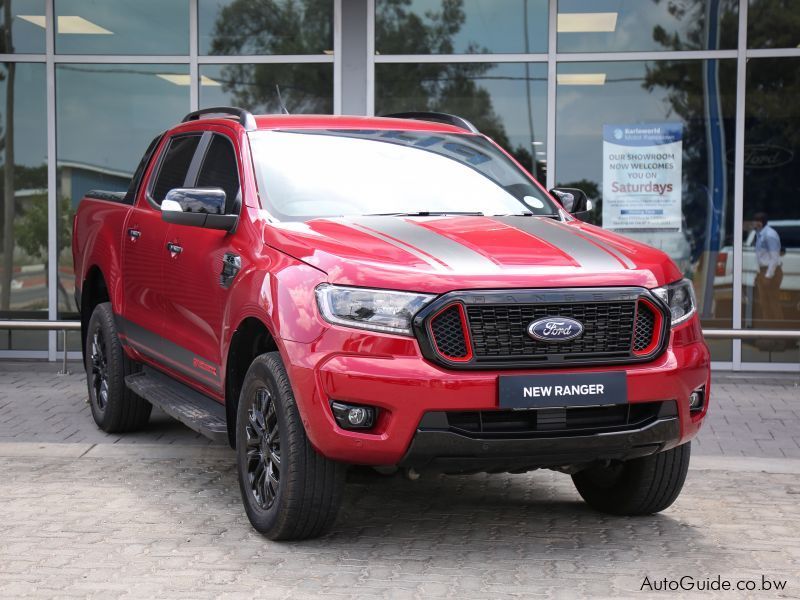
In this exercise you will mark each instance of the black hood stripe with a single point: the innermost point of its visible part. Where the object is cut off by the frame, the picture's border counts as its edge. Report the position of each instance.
(587, 254)
(410, 236)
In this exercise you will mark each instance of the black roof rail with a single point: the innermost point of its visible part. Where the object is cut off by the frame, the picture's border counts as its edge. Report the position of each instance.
(245, 117)
(436, 117)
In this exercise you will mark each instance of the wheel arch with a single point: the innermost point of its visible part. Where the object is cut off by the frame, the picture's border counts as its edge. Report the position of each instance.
(251, 338)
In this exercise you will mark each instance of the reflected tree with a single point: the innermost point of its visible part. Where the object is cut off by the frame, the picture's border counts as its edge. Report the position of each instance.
(31, 234)
(276, 27)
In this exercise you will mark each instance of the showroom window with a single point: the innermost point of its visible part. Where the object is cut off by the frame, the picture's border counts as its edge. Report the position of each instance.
(553, 95)
(686, 209)
(27, 27)
(23, 220)
(304, 87)
(646, 25)
(507, 101)
(464, 27)
(159, 27)
(771, 228)
(255, 27)
(102, 135)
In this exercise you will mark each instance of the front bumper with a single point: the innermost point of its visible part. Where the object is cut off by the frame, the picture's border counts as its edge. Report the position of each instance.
(389, 372)
(450, 452)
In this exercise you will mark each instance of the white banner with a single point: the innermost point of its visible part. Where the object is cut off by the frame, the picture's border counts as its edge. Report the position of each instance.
(642, 166)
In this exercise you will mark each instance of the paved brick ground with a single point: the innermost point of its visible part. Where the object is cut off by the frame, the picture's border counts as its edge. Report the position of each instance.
(38, 405)
(174, 529)
(157, 514)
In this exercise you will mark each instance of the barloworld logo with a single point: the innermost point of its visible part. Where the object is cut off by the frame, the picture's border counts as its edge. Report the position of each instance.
(555, 329)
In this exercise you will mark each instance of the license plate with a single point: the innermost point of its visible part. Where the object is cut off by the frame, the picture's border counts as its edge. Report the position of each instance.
(559, 391)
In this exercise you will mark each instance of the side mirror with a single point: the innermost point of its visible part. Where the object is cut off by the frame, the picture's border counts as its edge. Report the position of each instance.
(574, 201)
(197, 207)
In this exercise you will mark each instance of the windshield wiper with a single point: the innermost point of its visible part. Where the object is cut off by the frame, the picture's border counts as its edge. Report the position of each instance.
(529, 214)
(426, 213)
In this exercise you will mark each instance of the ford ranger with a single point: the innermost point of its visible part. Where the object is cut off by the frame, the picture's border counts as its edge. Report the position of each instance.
(325, 291)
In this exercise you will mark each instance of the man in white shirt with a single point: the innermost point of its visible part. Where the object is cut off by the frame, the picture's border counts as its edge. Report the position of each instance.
(770, 275)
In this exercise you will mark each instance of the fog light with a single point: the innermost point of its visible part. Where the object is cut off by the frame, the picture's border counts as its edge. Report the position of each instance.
(350, 416)
(696, 399)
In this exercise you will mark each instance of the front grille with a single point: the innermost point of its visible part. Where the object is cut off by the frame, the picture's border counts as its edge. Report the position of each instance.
(489, 329)
(500, 332)
(645, 328)
(549, 422)
(448, 333)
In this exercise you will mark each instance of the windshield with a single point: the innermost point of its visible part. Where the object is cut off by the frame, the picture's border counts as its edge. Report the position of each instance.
(306, 174)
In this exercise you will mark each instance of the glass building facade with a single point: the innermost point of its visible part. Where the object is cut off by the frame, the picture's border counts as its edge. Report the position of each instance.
(86, 84)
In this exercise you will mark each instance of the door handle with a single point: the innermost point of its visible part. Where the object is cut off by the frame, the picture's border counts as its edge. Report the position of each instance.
(134, 234)
(174, 248)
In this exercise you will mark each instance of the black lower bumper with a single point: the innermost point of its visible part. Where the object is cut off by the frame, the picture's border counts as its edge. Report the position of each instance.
(451, 452)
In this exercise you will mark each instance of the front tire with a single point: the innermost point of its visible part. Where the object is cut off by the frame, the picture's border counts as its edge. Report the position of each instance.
(115, 408)
(641, 486)
(289, 491)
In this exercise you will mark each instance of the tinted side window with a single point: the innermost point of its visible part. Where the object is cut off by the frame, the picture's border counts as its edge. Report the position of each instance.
(219, 170)
(177, 159)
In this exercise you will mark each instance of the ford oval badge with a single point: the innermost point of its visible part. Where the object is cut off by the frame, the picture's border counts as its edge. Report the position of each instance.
(555, 329)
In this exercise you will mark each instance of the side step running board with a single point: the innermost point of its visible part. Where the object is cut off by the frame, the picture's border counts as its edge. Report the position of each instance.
(193, 409)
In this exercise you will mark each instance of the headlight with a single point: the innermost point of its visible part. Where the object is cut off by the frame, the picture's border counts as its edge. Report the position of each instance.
(378, 310)
(679, 296)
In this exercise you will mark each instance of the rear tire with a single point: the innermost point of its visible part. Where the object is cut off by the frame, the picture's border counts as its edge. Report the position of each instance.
(114, 407)
(641, 486)
(289, 491)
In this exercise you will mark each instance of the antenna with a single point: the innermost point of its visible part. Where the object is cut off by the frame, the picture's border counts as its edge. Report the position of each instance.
(284, 110)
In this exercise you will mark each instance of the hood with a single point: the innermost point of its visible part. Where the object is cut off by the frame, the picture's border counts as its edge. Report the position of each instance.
(444, 253)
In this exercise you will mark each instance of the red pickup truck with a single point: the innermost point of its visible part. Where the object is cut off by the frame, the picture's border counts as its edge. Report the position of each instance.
(325, 291)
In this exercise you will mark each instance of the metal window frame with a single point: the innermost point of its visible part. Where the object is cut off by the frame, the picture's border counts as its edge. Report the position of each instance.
(552, 59)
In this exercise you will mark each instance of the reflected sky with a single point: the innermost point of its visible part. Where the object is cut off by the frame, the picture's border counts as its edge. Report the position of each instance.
(140, 27)
(107, 114)
(26, 37)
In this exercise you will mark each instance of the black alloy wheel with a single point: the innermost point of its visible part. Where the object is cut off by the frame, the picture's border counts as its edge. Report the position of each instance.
(289, 490)
(115, 408)
(99, 371)
(263, 449)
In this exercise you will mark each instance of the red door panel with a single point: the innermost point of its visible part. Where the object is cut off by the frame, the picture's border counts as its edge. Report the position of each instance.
(142, 263)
